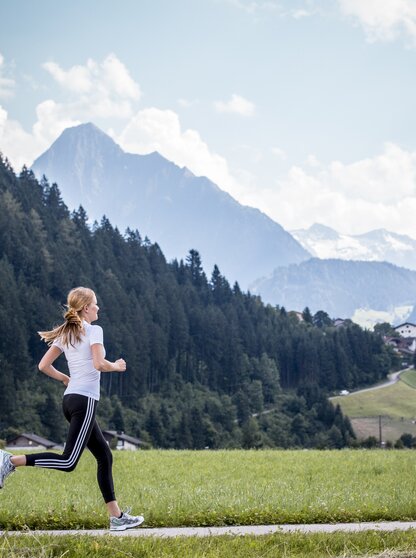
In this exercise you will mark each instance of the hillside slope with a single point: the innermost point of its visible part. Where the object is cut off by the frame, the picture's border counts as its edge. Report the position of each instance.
(170, 205)
(339, 287)
(395, 404)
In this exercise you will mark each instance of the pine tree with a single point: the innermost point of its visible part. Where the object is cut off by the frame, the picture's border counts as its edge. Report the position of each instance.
(193, 348)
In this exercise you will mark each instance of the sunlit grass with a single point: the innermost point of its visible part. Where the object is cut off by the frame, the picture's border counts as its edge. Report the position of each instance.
(396, 401)
(197, 488)
(380, 544)
(409, 378)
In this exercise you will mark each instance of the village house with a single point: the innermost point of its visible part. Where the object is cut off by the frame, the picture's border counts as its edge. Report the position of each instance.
(406, 345)
(123, 441)
(406, 330)
(29, 441)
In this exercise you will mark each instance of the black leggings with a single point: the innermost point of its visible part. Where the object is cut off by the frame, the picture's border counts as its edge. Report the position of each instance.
(84, 431)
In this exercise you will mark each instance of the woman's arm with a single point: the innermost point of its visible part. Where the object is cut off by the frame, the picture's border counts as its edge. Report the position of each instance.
(45, 365)
(103, 365)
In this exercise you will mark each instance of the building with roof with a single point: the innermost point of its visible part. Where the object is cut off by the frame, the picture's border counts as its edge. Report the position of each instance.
(123, 441)
(406, 345)
(30, 441)
(406, 330)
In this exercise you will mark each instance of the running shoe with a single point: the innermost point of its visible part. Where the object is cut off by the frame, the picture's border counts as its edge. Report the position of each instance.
(6, 466)
(126, 521)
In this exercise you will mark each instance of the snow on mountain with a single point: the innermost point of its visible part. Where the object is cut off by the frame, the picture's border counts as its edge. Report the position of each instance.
(378, 245)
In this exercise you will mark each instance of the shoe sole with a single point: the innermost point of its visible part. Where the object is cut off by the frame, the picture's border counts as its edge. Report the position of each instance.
(125, 527)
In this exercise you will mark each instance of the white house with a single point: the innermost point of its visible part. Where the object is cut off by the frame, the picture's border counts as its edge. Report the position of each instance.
(406, 330)
(124, 442)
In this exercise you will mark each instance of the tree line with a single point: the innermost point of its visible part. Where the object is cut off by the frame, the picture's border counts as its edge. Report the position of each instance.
(208, 364)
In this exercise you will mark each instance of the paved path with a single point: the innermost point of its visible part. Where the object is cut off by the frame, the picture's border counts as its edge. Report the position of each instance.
(232, 530)
(392, 379)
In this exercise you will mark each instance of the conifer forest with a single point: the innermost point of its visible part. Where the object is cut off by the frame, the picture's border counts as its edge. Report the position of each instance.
(208, 365)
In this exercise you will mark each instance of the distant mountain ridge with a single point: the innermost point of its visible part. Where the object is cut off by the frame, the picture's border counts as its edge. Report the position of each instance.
(169, 204)
(181, 211)
(339, 287)
(377, 245)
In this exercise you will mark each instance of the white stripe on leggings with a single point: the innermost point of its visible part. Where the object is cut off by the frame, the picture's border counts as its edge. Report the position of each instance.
(59, 463)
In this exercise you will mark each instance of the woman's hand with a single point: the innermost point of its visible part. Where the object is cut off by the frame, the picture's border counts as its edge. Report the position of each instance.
(120, 365)
(103, 365)
(65, 380)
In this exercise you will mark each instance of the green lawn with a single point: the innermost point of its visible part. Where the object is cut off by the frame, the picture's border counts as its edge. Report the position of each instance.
(397, 401)
(346, 545)
(391, 428)
(173, 488)
(396, 404)
(409, 378)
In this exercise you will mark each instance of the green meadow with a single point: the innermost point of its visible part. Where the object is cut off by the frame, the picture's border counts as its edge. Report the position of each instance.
(409, 377)
(341, 545)
(397, 400)
(396, 404)
(197, 488)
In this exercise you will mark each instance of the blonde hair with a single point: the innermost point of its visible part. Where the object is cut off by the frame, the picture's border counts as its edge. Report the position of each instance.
(71, 330)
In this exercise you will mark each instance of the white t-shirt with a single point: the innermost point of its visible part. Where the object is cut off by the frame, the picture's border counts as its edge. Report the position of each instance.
(84, 378)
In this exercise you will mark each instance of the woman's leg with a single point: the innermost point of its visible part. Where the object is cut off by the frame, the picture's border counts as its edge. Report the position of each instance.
(79, 410)
(102, 453)
(81, 432)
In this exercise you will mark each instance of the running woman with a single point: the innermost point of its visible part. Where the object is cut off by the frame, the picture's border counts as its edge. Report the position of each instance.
(84, 350)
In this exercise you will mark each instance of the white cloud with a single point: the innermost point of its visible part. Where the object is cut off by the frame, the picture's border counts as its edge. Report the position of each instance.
(383, 20)
(312, 161)
(52, 119)
(6, 83)
(378, 192)
(153, 129)
(77, 78)
(117, 78)
(22, 147)
(97, 90)
(16, 144)
(279, 153)
(187, 103)
(386, 178)
(370, 193)
(236, 105)
(301, 13)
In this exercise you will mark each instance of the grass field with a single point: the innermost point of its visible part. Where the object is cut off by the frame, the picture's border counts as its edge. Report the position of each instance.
(391, 428)
(173, 488)
(409, 378)
(397, 401)
(396, 404)
(346, 545)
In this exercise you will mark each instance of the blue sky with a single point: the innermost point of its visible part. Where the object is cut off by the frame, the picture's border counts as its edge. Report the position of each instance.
(304, 109)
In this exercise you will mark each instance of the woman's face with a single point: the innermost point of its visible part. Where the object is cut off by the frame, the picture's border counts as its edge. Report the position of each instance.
(91, 311)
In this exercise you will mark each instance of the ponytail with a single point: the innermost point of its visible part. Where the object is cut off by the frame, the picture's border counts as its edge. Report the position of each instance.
(71, 330)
